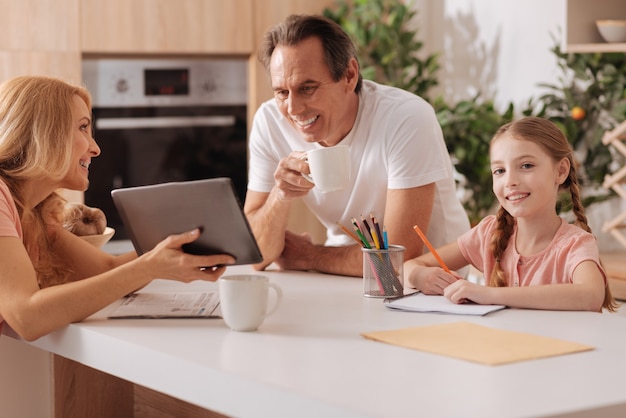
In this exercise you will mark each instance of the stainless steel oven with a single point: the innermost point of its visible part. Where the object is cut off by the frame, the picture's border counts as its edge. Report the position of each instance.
(162, 120)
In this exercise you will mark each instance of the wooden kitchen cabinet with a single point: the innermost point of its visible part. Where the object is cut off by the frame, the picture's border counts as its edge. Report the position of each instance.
(167, 26)
(40, 37)
(580, 31)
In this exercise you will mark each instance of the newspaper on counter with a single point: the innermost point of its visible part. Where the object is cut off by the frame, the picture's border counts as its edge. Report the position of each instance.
(199, 304)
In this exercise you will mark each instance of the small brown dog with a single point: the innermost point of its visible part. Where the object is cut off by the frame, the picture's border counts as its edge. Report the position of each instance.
(83, 220)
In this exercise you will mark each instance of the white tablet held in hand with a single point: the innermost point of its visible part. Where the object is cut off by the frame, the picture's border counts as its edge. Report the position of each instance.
(151, 213)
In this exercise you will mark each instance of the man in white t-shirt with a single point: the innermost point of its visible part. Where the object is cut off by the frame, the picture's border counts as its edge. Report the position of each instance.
(400, 167)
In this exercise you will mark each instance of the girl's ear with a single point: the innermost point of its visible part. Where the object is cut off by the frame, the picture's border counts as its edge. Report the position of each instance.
(563, 170)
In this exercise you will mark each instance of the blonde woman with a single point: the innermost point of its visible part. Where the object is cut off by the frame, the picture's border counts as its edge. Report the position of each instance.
(531, 257)
(45, 145)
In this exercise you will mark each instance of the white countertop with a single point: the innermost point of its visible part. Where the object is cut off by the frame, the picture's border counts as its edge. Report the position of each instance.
(309, 359)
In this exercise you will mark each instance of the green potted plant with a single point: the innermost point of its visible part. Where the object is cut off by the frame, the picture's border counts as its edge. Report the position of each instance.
(468, 127)
(388, 52)
(386, 47)
(588, 100)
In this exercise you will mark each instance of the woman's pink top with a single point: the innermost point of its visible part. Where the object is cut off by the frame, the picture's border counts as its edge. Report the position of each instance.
(10, 225)
(556, 263)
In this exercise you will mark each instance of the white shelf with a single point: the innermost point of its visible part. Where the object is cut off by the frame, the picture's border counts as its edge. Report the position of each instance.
(580, 31)
(596, 47)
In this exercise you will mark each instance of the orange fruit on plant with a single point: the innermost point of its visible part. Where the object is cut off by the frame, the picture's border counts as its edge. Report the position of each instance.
(578, 113)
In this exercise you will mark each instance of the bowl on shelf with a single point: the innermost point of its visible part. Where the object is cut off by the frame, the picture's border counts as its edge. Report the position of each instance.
(612, 30)
(100, 239)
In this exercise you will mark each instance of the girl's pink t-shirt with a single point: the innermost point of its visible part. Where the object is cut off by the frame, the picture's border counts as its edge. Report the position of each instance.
(555, 264)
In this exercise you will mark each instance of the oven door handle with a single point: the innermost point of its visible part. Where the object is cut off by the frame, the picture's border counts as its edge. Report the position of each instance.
(164, 122)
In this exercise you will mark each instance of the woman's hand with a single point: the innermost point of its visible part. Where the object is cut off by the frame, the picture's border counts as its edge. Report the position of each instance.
(168, 261)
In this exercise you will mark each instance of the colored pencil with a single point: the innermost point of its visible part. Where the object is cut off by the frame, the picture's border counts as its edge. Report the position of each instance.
(373, 234)
(358, 231)
(350, 234)
(367, 226)
(431, 248)
(377, 233)
(385, 240)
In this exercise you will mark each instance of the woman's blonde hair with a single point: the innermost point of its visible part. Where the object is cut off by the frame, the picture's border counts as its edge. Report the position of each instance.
(36, 130)
(552, 140)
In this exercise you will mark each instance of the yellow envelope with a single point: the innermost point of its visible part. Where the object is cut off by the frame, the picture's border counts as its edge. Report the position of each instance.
(477, 343)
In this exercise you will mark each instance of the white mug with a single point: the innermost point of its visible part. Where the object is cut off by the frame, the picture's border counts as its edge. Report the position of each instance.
(243, 300)
(330, 168)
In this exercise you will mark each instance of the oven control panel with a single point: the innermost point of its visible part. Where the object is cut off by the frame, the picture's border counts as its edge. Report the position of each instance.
(166, 82)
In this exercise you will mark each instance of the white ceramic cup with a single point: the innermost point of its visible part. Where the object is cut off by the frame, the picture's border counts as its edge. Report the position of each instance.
(243, 300)
(330, 168)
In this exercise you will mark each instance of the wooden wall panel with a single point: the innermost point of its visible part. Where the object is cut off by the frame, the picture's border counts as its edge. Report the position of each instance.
(44, 25)
(40, 37)
(63, 64)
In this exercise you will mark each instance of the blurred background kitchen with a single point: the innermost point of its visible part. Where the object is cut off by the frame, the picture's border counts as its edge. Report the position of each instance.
(205, 50)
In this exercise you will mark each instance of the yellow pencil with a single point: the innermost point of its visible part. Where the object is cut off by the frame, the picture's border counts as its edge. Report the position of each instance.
(431, 248)
(375, 237)
(378, 238)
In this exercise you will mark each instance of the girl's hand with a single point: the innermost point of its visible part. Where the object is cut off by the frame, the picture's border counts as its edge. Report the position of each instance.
(168, 261)
(432, 280)
(463, 291)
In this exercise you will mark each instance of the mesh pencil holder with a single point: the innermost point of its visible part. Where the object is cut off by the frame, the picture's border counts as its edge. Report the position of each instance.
(383, 272)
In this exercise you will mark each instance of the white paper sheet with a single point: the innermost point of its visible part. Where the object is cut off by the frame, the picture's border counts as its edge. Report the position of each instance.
(419, 302)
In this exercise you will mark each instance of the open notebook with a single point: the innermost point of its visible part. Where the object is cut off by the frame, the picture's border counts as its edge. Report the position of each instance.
(419, 302)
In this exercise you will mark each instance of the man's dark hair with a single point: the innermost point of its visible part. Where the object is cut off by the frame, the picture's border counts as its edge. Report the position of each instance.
(337, 45)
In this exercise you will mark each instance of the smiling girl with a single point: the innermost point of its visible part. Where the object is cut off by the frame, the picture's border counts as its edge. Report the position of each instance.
(530, 257)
